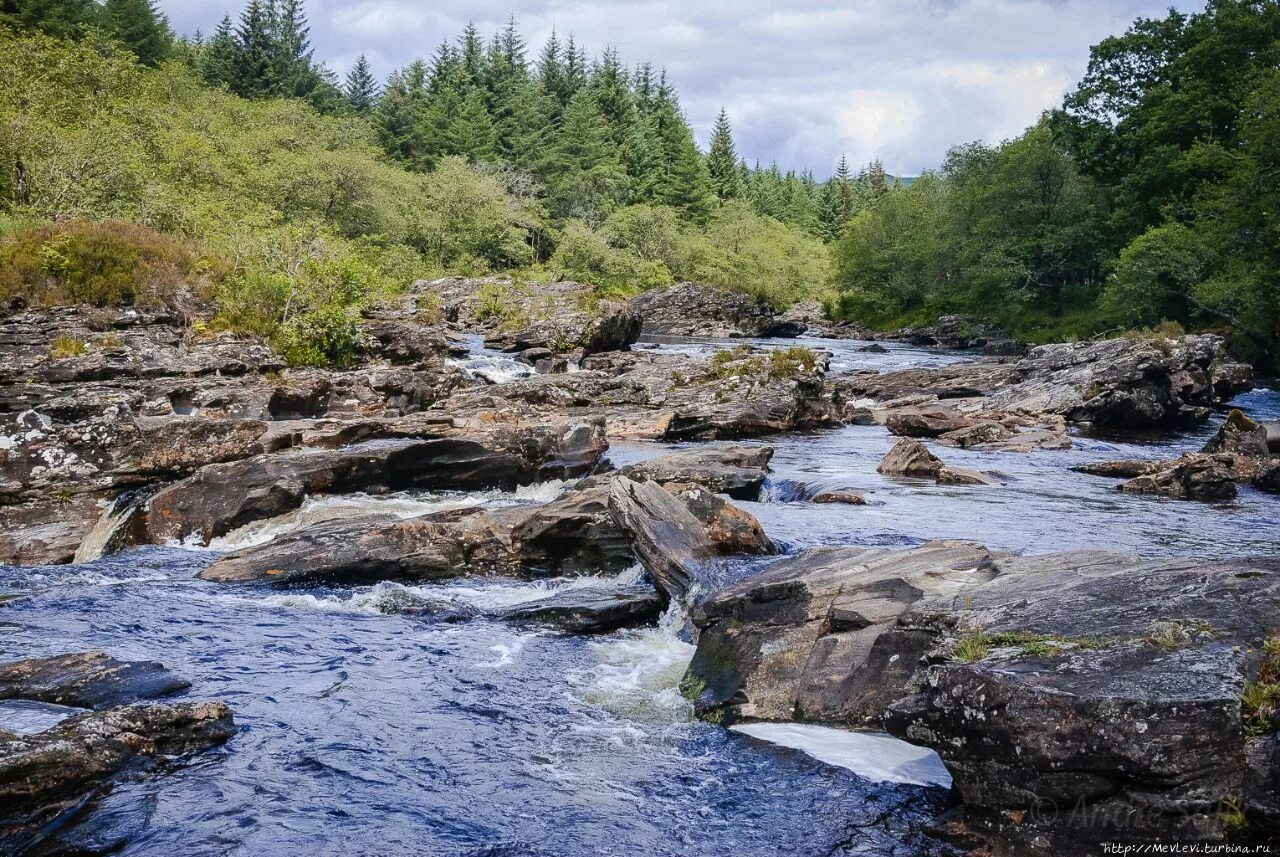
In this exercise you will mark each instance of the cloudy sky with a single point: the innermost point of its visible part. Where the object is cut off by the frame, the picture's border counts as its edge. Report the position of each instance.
(803, 80)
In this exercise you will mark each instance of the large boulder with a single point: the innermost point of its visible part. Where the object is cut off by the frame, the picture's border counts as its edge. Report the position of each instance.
(925, 422)
(579, 532)
(1239, 435)
(666, 537)
(1074, 697)
(908, 457)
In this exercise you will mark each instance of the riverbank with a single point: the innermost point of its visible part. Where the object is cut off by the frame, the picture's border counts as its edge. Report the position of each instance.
(505, 474)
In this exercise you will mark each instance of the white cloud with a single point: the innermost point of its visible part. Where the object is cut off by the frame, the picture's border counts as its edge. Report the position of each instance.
(901, 80)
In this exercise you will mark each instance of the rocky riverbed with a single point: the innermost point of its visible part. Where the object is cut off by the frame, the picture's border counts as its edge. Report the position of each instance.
(467, 565)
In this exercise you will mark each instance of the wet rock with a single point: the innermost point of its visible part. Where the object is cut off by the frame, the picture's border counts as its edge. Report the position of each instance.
(123, 523)
(689, 309)
(585, 611)
(87, 680)
(1268, 477)
(220, 498)
(1239, 435)
(738, 471)
(666, 537)
(961, 332)
(851, 498)
(729, 529)
(1208, 477)
(1047, 684)
(908, 457)
(925, 422)
(1273, 436)
(51, 775)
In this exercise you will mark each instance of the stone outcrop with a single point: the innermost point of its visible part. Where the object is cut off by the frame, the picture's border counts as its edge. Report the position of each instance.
(50, 775)
(220, 498)
(1075, 697)
(689, 309)
(908, 457)
(581, 531)
(1126, 382)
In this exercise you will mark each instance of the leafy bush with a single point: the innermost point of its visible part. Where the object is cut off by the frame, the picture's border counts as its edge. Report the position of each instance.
(103, 264)
(66, 346)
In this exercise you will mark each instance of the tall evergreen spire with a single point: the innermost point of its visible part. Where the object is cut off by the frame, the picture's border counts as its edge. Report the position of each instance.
(722, 159)
(361, 88)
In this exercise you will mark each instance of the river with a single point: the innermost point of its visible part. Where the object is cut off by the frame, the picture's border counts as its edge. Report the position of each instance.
(367, 730)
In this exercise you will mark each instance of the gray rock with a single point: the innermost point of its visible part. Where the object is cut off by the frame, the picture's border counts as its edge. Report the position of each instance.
(87, 680)
(738, 471)
(689, 309)
(584, 611)
(49, 776)
(1239, 435)
(1047, 684)
(666, 537)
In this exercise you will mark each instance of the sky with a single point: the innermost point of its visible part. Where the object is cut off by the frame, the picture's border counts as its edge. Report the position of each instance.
(803, 81)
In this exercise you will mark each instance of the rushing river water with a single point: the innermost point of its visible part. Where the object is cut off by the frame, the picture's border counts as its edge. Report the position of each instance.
(365, 731)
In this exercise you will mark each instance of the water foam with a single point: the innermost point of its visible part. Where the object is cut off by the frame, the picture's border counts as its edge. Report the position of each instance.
(876, 756)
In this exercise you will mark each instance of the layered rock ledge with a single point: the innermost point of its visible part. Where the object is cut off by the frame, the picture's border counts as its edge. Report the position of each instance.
(1075, 698)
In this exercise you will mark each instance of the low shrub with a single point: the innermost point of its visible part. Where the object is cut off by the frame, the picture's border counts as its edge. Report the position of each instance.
(110, 263)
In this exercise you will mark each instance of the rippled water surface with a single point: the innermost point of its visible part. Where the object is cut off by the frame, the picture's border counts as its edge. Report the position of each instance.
(367, 731)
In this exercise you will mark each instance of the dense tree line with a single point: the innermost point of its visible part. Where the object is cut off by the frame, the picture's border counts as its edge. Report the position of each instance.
(1151, 195)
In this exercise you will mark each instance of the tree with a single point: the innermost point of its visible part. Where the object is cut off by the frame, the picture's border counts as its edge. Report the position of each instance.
(255, 66)
(582, 168)
(217, 62)
(63, 19)
(138, 26)
(399, 117)
(722, 159)
(361, 88)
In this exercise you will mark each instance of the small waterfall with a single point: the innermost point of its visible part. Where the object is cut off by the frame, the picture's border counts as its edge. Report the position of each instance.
(121, 525)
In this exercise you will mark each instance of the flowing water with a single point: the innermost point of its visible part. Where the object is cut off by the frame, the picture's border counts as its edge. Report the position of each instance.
(370, 727)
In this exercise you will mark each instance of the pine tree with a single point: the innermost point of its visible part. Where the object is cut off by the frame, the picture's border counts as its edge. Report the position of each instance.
(471, 55)
(63, 19)
(138, 26)
(684, 183)
(361, 87)
(291, 48)
(610, 86)
(401, 112)
(575, 68)
(722, 159)
(217, 63)
(254, 72)
(877, 182)
(582, 168)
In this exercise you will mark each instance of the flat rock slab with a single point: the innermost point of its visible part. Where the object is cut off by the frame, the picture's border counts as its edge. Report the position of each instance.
(87, 680)
(738, 471)
(585, 611)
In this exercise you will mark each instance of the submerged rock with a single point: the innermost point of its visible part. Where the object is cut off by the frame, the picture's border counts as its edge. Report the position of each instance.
(1074, 697)
(585, 611)
(87, 680)
(52, 775)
